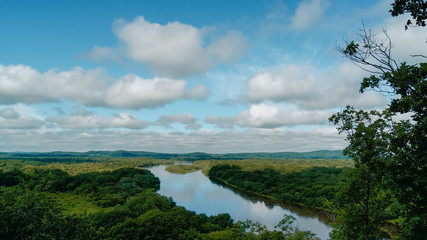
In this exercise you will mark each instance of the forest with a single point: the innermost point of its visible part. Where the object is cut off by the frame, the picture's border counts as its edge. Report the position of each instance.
(109, 199)
(314, 187)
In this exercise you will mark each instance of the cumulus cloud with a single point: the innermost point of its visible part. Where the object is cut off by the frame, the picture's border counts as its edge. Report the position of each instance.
(188, 120)
(175, 49)
(340, 86)
(23, 84)
(134, 92)
(83, 119)
(327, 89)
(286, 83)
(268, 116)
(308, 13)
(19, 83)
(12, 119)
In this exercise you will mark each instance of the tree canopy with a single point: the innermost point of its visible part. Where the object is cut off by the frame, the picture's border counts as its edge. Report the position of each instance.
(417, 9)
(389, 146)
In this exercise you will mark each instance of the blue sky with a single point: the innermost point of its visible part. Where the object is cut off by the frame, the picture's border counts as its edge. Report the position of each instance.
(184, 76)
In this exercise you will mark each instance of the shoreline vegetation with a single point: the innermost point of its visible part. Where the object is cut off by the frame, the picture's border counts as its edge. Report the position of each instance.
(282, 167)
(313, 187)
(90, 196)
(238, 189)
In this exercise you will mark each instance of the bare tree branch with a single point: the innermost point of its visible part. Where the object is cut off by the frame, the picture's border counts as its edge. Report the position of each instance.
(371, 54)
(419, 55)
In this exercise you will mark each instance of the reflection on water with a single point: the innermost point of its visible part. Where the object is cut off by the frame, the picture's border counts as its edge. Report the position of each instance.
(198, 193)
(270, 203)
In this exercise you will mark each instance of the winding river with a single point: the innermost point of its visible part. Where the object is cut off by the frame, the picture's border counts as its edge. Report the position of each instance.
(198, 193)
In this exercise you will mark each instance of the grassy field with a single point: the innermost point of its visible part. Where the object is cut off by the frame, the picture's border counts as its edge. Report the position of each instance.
(283, 166)
(182, 168)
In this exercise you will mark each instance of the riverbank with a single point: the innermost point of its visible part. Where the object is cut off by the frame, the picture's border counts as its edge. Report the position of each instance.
(313, 182)
(196, 192)
(329, 215)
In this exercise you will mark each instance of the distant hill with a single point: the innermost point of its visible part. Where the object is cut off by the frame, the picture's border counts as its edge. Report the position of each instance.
(62, 156)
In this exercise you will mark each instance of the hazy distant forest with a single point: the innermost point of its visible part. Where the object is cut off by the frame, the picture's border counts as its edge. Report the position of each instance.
(376, 190)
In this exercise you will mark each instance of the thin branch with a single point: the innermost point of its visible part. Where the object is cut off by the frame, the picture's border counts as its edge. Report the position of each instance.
(418, 55)
(371, 55)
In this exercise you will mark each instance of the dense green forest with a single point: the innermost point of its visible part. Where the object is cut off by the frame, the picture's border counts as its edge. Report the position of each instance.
(41, 202)
(314, 187)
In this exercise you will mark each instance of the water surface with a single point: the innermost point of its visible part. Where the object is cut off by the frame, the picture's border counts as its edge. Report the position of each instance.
(198, 193)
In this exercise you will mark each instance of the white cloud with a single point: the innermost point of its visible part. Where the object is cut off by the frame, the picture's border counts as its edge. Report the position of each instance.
(175, 49)
(188, 120)
(83, 119)
(339, 86)
(289, 82)
(134, 92)
(268, 116)
(308, 13)
(10, 118)
(23, 84)
(326, 89)
(251, 140)
(19, 83)
(405, 43)
(126, 120)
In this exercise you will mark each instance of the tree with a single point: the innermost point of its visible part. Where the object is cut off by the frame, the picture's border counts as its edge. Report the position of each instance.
(362, 203)
(30, 214)
(393, 152)
(417, 9)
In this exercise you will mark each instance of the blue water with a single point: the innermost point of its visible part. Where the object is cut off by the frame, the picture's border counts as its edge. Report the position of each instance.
(196, 192)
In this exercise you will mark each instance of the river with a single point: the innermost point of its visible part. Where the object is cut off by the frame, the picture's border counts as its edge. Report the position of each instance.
(198, 193)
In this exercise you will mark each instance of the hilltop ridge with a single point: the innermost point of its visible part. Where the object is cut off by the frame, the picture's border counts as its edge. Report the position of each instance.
(320, 154)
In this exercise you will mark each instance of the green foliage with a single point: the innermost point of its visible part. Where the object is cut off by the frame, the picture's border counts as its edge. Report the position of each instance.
(280, 165)
(29, 209)
(351, 48)
(417, 9)
(394, 152)
(182, 168)
(94, 156)
(285, 229)
(363, 207)
(108, 188)
(312, 187)
(30, 214)
(11, 178)
(389, 152)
